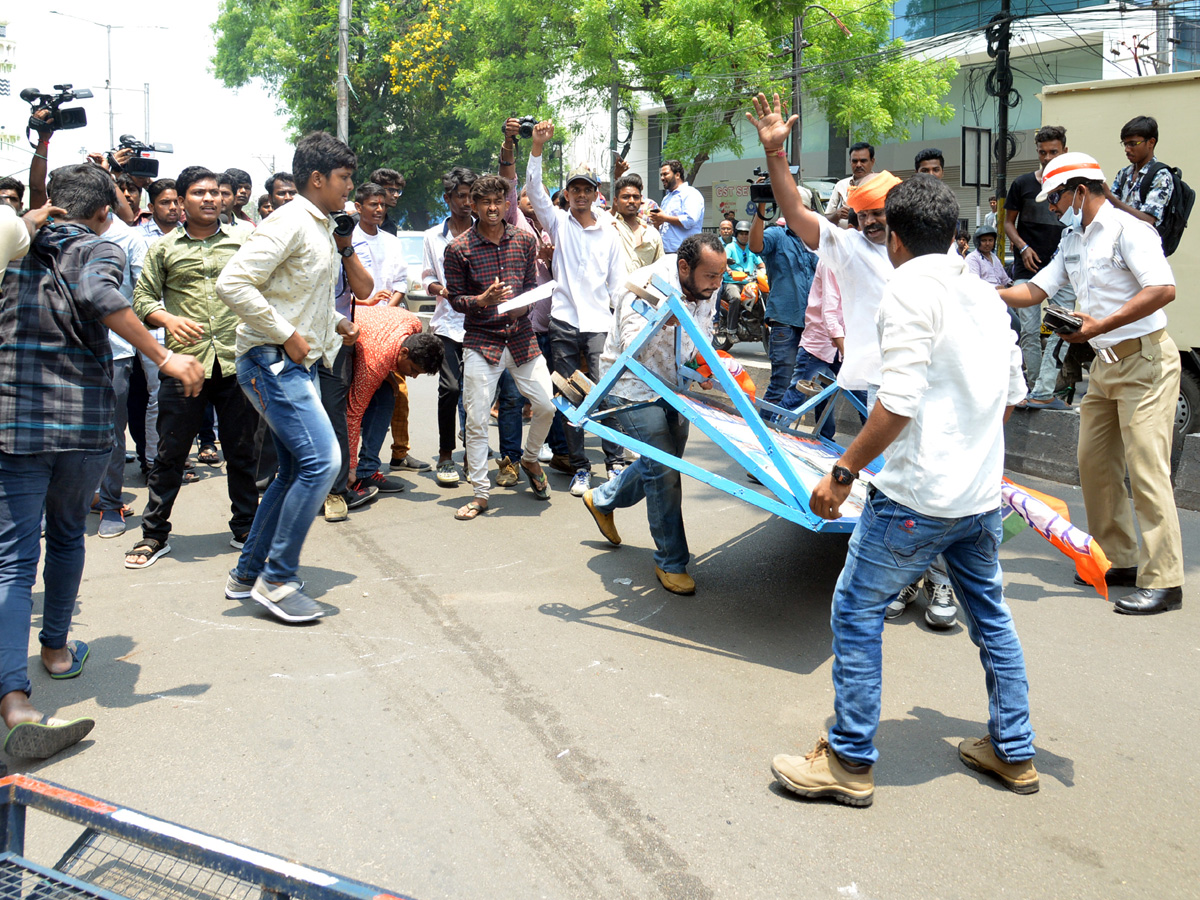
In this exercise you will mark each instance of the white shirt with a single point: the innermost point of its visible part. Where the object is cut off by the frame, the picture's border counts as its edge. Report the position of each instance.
(588, 263)
(658, 354)
(862, 268)
(951, 365)
(444, 321)
(14, 236)
(133, 242)
(1106, 264)
(382, 255)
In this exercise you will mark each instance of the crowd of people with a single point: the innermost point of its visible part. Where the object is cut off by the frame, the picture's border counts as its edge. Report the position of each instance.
(284, 337)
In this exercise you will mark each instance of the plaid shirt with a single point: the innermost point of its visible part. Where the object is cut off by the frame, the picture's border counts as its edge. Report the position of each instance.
(472, 264)
(56, 366)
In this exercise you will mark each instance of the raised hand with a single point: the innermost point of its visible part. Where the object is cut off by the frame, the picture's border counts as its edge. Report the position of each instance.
(542, 132)
(768, 120)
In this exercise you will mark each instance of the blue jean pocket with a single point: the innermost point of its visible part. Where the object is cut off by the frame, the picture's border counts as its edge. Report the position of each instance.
(911, 538)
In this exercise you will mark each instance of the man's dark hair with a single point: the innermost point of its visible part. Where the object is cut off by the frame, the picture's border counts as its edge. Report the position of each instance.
(558, 199)
(631, 179)
(368, 190)
(924, 214)
(264, 200)
(320, 152)
(675, 166)
(1048, 133)
(489, 186)
(157, 187)
(863, 145)
(285, 177)
(993, 197)
(457, 177)
(82, 190)
(125, 181)
(929, 153)
(1092, 186)
(11, 184)
(1140, 126)
(389, 178)
(694, 244)
(190, 176)
(425, 351)
(239, 177)
(226, 179)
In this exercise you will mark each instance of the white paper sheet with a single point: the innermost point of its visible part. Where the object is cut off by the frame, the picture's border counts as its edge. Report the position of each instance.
(541, 292)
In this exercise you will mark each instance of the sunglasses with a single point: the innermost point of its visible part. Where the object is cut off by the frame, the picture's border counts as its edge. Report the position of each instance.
(1129, 145)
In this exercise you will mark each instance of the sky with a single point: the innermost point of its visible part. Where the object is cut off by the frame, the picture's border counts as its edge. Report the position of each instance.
(207, 123)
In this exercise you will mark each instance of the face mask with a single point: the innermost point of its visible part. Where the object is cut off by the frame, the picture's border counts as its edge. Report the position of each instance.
(1072, 218)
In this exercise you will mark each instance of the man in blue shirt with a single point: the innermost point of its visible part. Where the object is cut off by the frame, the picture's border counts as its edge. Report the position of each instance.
(682, 211)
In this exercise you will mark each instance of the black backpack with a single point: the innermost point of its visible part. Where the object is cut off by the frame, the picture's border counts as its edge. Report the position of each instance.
(1179, 207)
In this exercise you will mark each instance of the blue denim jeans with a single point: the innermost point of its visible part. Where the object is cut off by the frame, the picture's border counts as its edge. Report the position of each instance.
(784, 347)
(61, 484)
(891, 547)
(376, 420)
(808, 367)
(112, 481)
(285, 395)
(661, 486)
(509, 403)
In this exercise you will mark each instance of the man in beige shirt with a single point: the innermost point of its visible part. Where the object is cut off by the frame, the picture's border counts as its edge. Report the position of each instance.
(640, 243)
(281, 285)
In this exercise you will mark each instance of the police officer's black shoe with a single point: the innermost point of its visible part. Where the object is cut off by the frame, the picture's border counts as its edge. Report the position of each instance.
(1115, 577)
(1147, 601)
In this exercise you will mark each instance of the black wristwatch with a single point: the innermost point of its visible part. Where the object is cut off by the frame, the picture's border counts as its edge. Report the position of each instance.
(842, 475)
(346, 252)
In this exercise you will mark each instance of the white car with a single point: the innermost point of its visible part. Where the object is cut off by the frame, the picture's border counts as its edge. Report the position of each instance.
(414, 247)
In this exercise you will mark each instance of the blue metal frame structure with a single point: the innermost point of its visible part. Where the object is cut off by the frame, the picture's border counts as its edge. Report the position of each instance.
(790, 496)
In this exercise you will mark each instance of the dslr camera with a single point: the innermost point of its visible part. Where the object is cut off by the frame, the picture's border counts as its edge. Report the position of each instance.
(75, 117)
(526, 127)
(761, 191)
(140, 165)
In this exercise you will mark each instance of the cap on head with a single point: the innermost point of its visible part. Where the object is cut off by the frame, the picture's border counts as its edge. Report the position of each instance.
(1064, 168)
(583, 173)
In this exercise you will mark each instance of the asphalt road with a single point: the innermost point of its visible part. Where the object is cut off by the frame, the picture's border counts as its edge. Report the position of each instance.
(510, 708)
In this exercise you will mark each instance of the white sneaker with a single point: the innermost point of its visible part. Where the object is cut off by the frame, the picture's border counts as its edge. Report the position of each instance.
(896, 607)
(581, 483)
(940, 611)
(545, 454)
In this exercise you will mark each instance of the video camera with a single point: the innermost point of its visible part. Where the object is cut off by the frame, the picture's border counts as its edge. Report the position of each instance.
(75, 117)
(140, 165)
(761, 191)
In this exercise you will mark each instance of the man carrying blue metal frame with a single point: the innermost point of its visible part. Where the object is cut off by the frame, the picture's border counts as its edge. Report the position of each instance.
(950, 376)
(695, 270)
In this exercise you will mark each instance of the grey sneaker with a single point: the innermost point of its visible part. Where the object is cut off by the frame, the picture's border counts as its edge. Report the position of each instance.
(112, 524)
(897, 607)
(239, 588)
(287, 602)
(941, 611)
(408, 462)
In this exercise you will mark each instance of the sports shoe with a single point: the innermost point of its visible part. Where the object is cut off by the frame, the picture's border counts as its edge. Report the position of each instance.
(507, 475)
(820, 773)
(545, 454)
(112, 524)
(239, 588)
(359, 494)
(940, 611)
(287, 602)
(980, 755)
(897, 607)
(408, 462)
(447, 473)
(615, 469)
(560, 462)
(382, 482)
(581, 483)
(604, 521)
(238, 541)
(335, 508)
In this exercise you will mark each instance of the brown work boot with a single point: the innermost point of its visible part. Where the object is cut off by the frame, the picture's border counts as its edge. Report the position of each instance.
(507, 475)
(980, 755)
(820, 773)
(676, 582)
(560, 462)
(604, 521)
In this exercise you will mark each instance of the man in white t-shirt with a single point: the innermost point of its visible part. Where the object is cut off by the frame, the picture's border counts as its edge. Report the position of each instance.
(950, 376)
(862, 165)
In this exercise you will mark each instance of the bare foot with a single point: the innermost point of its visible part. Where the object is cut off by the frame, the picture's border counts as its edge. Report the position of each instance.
(15, 708)
(56, 661)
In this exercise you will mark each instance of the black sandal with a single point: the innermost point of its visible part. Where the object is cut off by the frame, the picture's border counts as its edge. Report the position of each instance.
(151, 549)
(537, 483)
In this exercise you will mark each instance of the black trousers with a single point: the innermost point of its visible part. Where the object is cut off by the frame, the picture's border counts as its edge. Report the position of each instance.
(449, 391)
(335, 386)
(569, 347)
(179, 421)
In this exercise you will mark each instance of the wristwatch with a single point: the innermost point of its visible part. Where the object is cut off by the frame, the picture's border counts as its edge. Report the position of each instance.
(346, 252)
(842, 475)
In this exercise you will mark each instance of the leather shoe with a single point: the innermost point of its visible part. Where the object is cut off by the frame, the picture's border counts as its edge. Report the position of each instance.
(1147, 601)
(604, 521)
(676, 582)
(1116, 577)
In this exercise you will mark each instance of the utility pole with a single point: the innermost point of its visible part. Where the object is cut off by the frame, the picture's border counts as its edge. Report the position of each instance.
(1000, 86)
(797, 54)
(146, 104)
(343, 82)
(613, 100)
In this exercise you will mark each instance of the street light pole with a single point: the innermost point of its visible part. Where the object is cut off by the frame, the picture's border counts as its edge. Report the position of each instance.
(112, 141)
(797, 54)
(343, 94)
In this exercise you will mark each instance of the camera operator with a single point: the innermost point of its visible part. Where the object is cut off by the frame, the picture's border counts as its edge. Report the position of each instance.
(56, 433)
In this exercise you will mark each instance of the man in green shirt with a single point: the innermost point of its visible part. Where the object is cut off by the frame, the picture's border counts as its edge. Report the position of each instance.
(177, 290)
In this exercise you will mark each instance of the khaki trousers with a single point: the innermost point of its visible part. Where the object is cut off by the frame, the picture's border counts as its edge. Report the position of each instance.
(400, 443)
(1126, 421)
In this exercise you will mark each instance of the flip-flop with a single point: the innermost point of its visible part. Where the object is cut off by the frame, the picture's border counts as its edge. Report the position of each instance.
(79, 654)
(41, 740)
(208, 454)
(539, 484)
(473, 510)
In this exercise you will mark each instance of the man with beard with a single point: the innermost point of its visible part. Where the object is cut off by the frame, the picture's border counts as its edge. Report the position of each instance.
(682, 210)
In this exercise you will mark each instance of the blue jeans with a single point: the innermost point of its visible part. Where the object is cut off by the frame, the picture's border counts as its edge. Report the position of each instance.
(662, 487)
(376, 420)
(112, 481)
(891, 547)
(784, 351)
(285, 395)
(808, 367)
(509, 402)
(61, 484)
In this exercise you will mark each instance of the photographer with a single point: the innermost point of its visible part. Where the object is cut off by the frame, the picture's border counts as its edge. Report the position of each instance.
(56, 434)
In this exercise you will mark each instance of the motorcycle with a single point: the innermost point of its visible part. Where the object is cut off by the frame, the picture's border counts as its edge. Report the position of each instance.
(747, 321)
